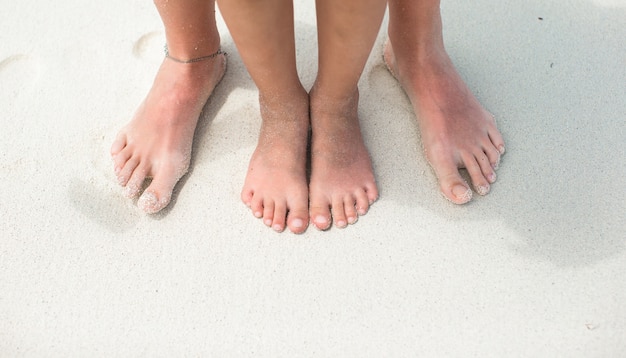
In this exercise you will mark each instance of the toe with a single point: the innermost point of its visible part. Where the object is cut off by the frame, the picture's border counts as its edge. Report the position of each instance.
(297, 221)
(452, 185)
(486, 167)
(493, 154)
(135, 182)
(268, 212)
(256, 205)
(124, 174)
(349, 207)
(481, 185)
(496, 139)
(362, 202)
(298, 216)
(159, 193)
(372, 193)
(339, 214)
(280, 215)
(118, 144)
(246, 197)
(319, 212)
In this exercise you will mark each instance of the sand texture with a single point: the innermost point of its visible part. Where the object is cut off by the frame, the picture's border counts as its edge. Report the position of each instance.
(535, 269)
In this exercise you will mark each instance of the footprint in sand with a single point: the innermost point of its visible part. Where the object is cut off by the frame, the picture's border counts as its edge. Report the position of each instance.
(18, 75)
(387, 88)
(150, 46)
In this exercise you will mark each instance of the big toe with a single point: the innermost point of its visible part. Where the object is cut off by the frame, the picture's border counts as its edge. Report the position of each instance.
(297, 220)
(158, 194)
(452, 185)
(319, 212)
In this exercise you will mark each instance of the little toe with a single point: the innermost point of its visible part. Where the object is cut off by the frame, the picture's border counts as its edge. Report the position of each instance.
(339, 214)
(256, 205)
(362, 202)
(372, 193)
(246, 197)
(118, 144)
(497, 140)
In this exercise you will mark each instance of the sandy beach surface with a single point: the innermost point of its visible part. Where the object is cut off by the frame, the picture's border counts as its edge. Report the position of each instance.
(536, 269)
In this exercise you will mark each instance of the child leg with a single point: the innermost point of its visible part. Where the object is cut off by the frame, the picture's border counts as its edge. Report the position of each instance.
(342, 181)
(157, 141)
(275, 187)
(457, 132)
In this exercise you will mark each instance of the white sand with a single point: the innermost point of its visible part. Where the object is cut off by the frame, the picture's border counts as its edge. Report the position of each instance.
(536, 268)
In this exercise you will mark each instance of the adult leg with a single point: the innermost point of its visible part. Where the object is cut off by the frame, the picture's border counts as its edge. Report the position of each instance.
(342, 181)
(457, 132)
(275, 187)
(157, 141)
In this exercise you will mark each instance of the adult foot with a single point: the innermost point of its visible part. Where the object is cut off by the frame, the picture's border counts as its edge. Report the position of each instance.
(342, 185)
(157, 142)
(457, 132)
(275, 188)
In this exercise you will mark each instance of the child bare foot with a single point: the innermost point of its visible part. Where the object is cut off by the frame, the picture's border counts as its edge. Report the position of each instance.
(156, 143)
(342, 183)
(457, 132)
(275, 188)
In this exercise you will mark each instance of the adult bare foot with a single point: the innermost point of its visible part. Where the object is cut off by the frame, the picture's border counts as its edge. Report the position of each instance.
(276, 188)
(457, 132)
(342, 185)
(157, 142)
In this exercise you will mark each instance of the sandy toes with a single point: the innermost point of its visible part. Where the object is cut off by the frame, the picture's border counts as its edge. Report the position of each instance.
(457, 132)
(276, 188)
(157, 142)
(342, 185)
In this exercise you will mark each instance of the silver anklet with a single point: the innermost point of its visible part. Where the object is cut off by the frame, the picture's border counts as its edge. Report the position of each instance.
(167, 54)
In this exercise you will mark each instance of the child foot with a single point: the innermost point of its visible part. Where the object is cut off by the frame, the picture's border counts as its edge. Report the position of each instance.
(156, 143)
(342, 183)
(457, 132)
(275, 188)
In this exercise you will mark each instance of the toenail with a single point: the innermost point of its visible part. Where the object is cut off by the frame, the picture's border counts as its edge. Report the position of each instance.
(482, 189)
(321, 220)
(352, 220)
(461, 192)
(258, 214)
(268, 222)
(491, 177)
(297, 223)
(341, 224)
(361, 211)
(501, 149)
(117, 170)
(277, 228)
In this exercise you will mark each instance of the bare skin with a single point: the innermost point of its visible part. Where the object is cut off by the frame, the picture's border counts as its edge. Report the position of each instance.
(275, 188)
(157, 142)
(341, 173)
(342, 183)
(457, 132)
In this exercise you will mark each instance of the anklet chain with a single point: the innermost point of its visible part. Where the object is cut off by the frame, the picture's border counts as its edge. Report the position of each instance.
(167, 54)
